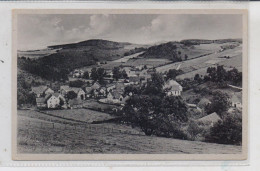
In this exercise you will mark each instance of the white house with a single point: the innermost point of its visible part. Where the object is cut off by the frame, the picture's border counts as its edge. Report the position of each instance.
(53, 100)
(172, 88)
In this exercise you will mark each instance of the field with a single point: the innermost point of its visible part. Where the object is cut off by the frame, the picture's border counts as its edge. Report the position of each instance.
(37, 53)
(199, 65)
(41, 133)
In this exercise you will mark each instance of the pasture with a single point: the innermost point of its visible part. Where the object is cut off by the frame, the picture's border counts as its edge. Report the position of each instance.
(199, 65)
(39, 134)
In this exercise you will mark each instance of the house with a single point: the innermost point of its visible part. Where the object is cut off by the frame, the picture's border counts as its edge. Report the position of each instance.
(236, 100)
(114, 97)
(80, 93)
(119, 86)
(41, 91)
(110, 87)
(103, 91)
(172, 88)
(88, 91)
(204, 102)
(75, 103)
(52, 100)
(96, 86)
(77, 73)
(210, 119)
(64, 90)
(41, 102)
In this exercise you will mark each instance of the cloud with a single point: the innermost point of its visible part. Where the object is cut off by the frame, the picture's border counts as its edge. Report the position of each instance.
(38, 31)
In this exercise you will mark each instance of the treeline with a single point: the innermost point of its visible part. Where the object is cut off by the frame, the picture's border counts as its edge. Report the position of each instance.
(220, 75)
(45, 71)
(23, 92)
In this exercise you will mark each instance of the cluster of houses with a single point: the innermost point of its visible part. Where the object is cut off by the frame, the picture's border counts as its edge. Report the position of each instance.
(47, 98)
(112, 93)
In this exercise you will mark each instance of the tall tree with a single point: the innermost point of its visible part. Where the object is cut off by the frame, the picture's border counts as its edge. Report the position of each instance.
(94, 74)
(116, 73)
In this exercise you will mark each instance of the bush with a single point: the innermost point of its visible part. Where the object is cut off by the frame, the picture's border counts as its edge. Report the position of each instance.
(228, 131)
(193, 130)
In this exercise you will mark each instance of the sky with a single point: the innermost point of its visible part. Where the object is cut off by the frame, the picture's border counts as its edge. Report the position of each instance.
(37, 31)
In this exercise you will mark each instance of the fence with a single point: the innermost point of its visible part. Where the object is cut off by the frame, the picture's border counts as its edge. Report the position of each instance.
(28, 124)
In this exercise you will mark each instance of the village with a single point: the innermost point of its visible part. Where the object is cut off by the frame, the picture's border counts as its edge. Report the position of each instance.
(112, 91)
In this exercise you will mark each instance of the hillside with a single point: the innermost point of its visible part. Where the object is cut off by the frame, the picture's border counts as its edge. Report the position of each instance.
(176, 51)
(97, 43)
(106, 138)
(71, 56)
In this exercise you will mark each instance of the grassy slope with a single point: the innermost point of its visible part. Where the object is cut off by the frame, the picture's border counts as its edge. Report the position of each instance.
(101, 138)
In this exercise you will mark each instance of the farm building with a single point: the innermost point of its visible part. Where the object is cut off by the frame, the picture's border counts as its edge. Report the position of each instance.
(204, 102)
(172, 88)
(210, 119)
(80, 92)
(41, 102)
(41, 91)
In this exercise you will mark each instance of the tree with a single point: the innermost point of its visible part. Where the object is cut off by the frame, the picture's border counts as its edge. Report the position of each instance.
(235, 76)
(116, 73)
(124, 74)
(71, 95)
(156, 116)
(172, 74)
(94, 74)
(155, 86)
(86, 75)
(101, 73)
(175, 107)
(76, 83)
(197, 78)
(220, 103)
(186, 57)
(228, 131)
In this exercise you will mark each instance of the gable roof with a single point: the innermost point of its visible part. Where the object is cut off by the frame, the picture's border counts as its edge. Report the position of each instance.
(116, 94)
(203, 102)
(39, 89)
(65, 88)
(237, 97)
(88, 89)
(213, 117)
(120, 86)
(172, 85)
(110, 85)
(96, 85)
(76, 89)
